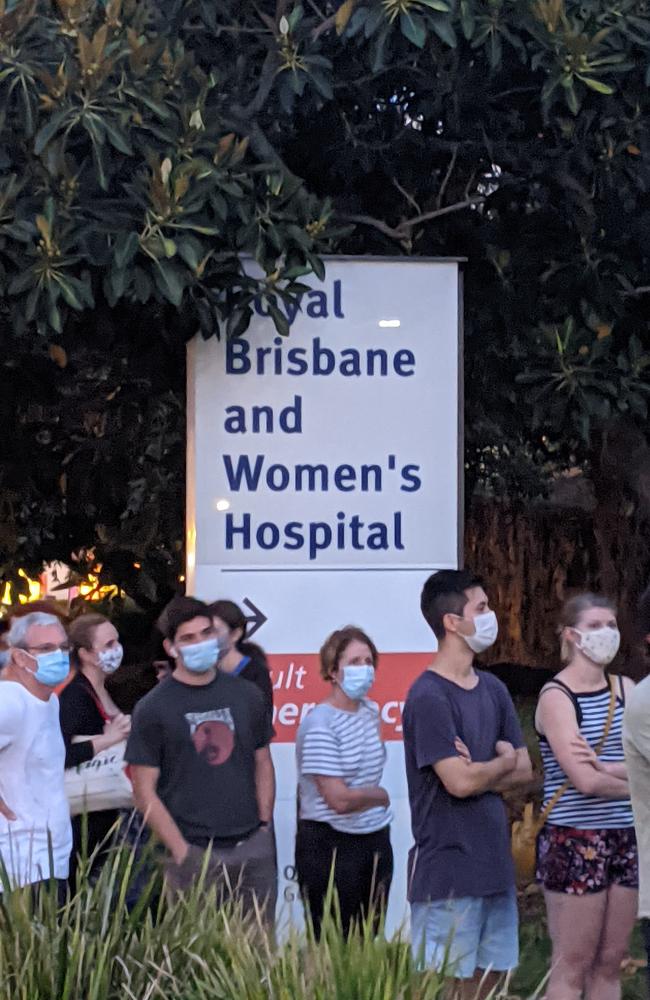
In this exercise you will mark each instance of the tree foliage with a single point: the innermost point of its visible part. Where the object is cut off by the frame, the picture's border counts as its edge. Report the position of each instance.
(148, 145)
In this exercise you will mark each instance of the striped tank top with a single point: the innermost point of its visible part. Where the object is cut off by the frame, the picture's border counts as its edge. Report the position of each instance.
(588, 812)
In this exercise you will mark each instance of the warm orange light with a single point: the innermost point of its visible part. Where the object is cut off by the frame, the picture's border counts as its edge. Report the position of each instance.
(35, 591)
(90, 590)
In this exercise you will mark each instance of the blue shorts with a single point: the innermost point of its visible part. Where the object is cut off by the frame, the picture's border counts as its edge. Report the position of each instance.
(466, 934)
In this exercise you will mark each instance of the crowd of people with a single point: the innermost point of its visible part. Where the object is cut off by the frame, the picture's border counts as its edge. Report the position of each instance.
(193, 764)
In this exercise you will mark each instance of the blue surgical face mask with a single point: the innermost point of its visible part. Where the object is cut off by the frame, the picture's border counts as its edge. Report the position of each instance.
(356, 680)
(201, 656)
(52, 668)
(5, 656)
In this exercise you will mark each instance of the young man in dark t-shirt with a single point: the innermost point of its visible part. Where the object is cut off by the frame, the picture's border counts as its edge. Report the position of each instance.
(463, 748)
(201, 766)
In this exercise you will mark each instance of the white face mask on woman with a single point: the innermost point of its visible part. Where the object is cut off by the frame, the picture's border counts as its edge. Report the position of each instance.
(600, 645)
(110, 659)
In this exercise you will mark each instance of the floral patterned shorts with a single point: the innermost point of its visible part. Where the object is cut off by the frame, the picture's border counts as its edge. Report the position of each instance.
(583, 861)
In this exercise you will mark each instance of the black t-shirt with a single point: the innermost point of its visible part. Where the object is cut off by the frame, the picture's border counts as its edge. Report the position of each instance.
(203, 739)
(254, 668)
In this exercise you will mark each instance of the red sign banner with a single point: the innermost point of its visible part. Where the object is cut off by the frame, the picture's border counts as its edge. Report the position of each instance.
(298, 686)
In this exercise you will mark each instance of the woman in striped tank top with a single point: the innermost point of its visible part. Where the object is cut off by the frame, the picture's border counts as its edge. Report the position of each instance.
(587, 857)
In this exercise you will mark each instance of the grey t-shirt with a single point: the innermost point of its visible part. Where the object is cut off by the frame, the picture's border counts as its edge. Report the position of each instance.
(462, 846)
(203, 739)
(338, 744)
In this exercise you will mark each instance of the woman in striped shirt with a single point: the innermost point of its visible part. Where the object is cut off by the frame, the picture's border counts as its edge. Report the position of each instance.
(587, 856)
(344, 813)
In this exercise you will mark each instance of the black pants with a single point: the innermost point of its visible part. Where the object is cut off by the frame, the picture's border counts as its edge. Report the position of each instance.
(363, 871)
(88, 833)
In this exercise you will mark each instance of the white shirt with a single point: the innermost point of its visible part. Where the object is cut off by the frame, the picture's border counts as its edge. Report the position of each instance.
(338, 744)
(636, 739)
(32, 759)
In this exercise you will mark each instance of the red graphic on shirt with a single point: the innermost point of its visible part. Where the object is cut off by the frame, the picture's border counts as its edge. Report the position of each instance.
(298, 686)
(213, 735)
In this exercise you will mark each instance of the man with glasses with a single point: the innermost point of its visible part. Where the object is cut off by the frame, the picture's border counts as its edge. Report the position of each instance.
(35, 832)
(202, 770)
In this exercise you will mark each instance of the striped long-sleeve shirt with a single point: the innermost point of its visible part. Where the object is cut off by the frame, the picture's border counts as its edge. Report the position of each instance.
(337, 744)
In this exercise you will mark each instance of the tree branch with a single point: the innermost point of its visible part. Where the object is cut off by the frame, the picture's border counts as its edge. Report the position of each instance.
(404, 231)
(316, 9)
(447, 177)
(409, 197)
(264, 87)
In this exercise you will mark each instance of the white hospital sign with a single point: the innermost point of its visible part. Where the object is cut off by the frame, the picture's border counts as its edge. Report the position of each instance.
(337, 446)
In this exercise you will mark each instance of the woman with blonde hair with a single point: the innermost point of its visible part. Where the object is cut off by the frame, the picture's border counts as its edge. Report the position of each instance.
(587, 855)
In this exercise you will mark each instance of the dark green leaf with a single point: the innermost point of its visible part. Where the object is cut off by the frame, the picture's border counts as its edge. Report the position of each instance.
(413, 28)
(22, 282)
(597, 85)
(49, 130)
(238, 322)
(69, 294)
(191, 251)
(373, 21)
(467, 19)
(280, 320)
(126, 247)
(169, 282)
(444, 30)
(117, 138)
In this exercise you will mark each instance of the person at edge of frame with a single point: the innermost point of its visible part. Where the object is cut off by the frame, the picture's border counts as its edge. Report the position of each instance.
(636, 742)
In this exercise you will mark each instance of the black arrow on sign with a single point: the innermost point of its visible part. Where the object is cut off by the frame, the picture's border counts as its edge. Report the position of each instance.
(255, 620)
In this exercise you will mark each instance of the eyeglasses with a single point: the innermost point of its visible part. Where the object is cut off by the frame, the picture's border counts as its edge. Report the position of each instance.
(64, 647)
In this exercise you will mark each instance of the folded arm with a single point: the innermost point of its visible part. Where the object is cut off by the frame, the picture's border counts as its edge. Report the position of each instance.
(557, 722)
(521, 775)
(343, 799)
(463, 778)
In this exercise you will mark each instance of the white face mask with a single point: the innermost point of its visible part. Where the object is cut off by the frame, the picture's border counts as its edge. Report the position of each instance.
(110, 659)
(600, 645)
(486, 630)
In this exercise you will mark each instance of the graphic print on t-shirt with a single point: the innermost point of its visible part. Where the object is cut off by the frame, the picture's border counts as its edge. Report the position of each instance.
(213, 734)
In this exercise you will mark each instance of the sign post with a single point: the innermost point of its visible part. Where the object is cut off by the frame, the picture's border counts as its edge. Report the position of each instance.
(324, 475)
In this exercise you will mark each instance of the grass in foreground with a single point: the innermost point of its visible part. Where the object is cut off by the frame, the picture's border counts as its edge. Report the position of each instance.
(97, 948)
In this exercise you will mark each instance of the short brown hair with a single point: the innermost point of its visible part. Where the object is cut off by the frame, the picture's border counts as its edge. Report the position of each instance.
(82, 633)
(572, 611)
(181, 609)
(336, 644)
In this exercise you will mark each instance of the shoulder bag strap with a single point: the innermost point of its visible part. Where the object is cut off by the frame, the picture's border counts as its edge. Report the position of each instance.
(93, 694)
(610, 715)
